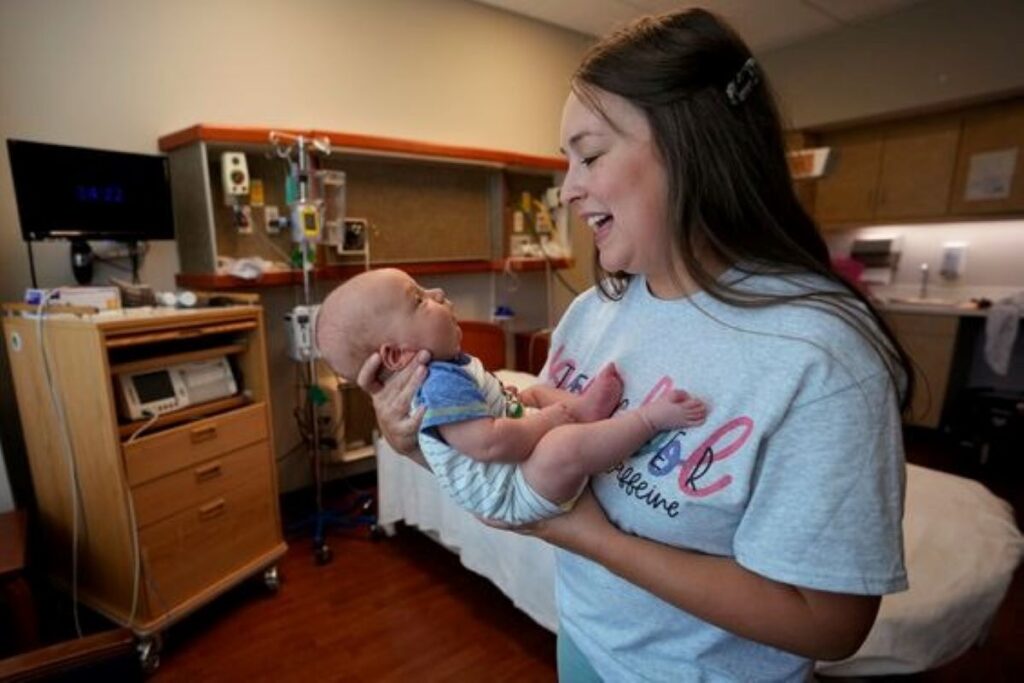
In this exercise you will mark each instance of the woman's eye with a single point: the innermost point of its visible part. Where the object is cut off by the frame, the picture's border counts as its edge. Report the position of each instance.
(587, 161)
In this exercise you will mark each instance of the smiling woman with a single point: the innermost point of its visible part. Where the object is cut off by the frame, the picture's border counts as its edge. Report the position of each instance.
(749, 545)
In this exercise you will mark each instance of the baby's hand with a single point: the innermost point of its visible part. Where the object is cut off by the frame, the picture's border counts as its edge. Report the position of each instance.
(674, 409)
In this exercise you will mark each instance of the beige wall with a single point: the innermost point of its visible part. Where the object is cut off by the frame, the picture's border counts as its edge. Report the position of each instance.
(117, 74)
(929, 54)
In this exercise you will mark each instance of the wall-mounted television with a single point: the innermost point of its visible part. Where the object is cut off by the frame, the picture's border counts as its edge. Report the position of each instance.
(77, 193)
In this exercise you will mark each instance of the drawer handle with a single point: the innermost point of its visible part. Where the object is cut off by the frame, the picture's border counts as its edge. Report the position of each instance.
(206, 433)
(211, 510)
(207, 472)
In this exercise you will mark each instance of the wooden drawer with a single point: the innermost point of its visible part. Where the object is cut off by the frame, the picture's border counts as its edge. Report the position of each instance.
(924, 324)
(187, 552)
(160, 498)
(154, 456)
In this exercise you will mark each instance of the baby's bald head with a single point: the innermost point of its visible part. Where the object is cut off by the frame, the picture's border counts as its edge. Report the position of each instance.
(354, 319)
(385, 311)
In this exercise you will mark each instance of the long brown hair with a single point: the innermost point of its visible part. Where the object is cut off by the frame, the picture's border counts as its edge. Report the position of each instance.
(730, 191)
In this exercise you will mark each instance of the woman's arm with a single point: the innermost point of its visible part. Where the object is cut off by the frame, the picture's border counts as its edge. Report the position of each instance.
(810, 623)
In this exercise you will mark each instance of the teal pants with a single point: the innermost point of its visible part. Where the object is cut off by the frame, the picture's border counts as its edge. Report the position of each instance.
(573, 666)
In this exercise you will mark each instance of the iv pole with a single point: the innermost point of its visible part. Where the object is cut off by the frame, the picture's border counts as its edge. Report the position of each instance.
(304, 213)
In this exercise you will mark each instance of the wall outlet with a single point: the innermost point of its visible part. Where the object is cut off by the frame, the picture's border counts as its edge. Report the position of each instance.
(954, 260)
(242, 216)
(270, 219)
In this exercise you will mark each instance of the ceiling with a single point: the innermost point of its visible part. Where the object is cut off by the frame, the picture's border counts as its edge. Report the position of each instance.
(764, 24)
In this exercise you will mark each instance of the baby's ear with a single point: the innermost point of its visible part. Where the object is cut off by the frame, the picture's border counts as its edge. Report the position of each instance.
(394, 357)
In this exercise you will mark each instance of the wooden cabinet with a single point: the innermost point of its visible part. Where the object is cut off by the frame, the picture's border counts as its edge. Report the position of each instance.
(848, 191)
(171, 513)
(930, 340)
(992, 129)
(920, 169)
(916, 174)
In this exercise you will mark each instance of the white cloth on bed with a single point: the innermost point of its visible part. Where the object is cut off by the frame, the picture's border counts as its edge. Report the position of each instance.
(962, 546)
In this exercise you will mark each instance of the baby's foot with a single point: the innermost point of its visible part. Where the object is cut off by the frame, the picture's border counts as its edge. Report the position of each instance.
(600, 398)
(674, 409)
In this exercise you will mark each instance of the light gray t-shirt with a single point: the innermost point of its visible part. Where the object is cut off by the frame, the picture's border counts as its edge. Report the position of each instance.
(797, 473)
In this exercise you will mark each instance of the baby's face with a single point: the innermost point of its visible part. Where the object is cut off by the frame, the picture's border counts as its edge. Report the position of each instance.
(418, 318)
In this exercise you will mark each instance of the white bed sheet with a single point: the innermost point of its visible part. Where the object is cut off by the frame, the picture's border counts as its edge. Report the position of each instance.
(962, 547)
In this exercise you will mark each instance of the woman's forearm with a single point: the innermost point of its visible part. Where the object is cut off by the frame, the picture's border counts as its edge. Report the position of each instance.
(719, 590)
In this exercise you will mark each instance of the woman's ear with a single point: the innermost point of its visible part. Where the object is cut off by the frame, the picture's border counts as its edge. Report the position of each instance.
(394, 357)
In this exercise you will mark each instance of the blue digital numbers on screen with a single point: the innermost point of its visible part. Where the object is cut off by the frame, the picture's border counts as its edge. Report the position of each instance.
(100, 194)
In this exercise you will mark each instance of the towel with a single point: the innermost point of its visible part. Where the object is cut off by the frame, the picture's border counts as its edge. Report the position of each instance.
(1001, 332)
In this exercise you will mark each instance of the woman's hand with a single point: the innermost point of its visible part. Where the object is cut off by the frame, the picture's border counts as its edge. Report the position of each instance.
(391, 400)
(581, 530)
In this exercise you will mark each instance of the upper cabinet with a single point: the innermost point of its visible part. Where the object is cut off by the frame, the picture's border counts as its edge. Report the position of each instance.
(987, 180)
(918, 159)
(945, 166)
(848, 191)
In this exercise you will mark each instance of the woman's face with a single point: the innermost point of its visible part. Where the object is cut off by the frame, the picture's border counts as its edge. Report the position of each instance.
(617, 184)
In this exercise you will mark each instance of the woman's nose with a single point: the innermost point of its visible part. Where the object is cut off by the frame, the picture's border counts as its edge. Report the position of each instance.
(570, 190)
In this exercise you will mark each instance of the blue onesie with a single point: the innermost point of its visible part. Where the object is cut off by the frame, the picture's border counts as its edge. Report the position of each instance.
(797, 474)
(460, 390)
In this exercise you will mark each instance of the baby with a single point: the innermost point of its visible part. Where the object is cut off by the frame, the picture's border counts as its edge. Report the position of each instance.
(492, 458)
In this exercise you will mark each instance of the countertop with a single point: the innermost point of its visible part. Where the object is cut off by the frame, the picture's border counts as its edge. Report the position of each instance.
(964, 310)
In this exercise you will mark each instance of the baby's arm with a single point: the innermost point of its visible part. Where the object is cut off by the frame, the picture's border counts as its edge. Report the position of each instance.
(542, 396)
(513, 440)
(605, 383)
(502, 439)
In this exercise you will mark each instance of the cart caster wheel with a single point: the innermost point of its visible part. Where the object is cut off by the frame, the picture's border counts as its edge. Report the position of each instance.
(272, 578)
(148, 649)
(323, 554)
(376, 532)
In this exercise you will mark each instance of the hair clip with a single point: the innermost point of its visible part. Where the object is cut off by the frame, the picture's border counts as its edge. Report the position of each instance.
(743, 82)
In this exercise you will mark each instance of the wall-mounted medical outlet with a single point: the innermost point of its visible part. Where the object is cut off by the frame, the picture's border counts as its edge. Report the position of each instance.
(271, 219)
(234, 176)
(954, 260)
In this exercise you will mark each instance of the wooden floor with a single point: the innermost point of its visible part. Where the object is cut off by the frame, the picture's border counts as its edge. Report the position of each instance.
(404, 609)
(398, 609)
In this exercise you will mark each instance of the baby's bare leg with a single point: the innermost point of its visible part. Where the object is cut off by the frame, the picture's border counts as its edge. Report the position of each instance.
(567, 455)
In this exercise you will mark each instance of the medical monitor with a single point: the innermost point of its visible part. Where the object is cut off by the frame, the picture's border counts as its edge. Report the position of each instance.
(76, 193)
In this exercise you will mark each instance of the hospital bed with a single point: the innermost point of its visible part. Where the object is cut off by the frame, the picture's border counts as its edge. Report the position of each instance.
(961, 542)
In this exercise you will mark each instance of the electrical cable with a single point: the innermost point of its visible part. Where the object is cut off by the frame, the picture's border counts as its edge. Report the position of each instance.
(153, 417)
(137, 553)
(76, 494)
(69, 455)
(137, 569)
(269, 242)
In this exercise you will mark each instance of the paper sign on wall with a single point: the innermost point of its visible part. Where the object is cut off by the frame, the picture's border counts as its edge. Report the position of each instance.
(990, 175)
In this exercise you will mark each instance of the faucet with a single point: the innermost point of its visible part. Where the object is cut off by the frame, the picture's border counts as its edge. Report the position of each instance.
(924, 281)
